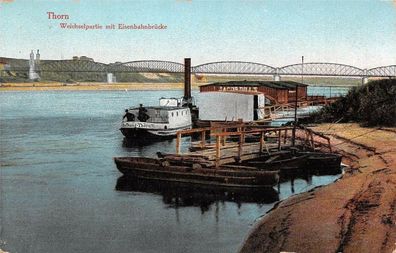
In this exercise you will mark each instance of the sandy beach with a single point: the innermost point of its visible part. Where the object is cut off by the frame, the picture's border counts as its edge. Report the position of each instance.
(357, 213)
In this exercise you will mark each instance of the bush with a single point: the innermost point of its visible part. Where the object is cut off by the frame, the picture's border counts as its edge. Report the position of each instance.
(373, 104)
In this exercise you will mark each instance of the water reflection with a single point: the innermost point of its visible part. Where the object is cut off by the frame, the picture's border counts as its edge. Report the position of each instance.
(176, 195)
(289, 177)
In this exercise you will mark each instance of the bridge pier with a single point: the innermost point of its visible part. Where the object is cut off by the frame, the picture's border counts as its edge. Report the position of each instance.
(277, 77)
(364, 78)
(110, 78)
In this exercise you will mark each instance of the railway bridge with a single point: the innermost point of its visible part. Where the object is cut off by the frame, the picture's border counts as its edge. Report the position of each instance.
(325, 69)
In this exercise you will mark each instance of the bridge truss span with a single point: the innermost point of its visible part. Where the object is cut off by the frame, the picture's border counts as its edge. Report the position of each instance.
(321, 69)
(148, 66)
(66, 67)
(234, 67)
(384, 71)
(73, 66)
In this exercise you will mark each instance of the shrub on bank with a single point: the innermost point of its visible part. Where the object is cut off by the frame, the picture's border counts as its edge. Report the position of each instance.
(372, 104)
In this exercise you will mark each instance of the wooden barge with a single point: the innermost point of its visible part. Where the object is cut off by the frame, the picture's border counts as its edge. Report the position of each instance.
(164, 170)
(234, 163)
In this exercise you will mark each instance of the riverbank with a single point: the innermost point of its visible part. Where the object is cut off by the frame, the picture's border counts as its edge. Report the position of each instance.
(355, 214)
(47, 86)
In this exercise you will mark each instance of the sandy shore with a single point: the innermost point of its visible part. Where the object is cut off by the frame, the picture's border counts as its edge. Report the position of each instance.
(355, 214)
(44, 86)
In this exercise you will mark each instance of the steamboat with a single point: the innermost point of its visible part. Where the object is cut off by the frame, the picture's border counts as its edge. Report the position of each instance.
(157, 121)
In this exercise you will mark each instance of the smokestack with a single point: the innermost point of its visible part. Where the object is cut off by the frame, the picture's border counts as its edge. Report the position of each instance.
(187, 79)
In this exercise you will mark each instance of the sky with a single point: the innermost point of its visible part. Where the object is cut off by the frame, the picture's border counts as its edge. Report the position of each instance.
(361, 33)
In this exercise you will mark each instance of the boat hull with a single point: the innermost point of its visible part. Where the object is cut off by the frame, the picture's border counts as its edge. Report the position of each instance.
(286, 164)
(323, 161)
(160, 170)
(151, 133)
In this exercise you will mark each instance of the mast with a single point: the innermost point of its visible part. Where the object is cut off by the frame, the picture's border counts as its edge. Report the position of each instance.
(296, 104)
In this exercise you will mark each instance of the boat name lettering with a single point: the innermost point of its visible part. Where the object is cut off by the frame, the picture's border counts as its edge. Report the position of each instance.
(140, 124)
(237, 88)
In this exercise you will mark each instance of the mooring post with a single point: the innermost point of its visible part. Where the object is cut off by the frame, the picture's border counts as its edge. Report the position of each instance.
(218, 140)
(279, 139)
(178, 139)
(203, 138)
(224, 137)
(240, 146)
(285, 137)
(306, 141)
(261, 141)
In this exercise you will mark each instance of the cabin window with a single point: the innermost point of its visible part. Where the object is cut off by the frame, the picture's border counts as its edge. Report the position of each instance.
(177, 113)
(172, 114)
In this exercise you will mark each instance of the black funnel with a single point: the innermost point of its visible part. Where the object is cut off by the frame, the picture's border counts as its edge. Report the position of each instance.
(187, 79)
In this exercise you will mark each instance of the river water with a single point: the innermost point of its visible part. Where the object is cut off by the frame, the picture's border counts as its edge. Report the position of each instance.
(61, 192)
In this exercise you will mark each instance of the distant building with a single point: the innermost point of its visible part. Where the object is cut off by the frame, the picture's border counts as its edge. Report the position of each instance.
(224, 106)
(82, 58)
(245, 99)
(278, 92)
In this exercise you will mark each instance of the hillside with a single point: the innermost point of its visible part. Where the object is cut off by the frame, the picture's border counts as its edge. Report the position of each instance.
(77, 71)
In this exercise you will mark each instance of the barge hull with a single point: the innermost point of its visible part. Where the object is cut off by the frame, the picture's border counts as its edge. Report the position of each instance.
(151, 133)
(153, 170)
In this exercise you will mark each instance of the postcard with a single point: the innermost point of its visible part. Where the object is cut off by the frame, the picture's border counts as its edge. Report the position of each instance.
(197, 126)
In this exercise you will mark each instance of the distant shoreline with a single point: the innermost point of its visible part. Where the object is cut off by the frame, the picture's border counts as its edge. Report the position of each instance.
(43, 86)
(89, 86)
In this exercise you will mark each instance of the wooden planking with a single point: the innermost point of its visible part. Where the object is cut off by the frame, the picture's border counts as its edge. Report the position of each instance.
(223, 151)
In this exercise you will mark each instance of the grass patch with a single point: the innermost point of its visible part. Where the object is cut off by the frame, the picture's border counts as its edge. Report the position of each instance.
(372, 104)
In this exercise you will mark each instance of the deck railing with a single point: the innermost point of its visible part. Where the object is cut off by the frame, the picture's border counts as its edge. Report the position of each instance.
(281, 138)
(202, 133)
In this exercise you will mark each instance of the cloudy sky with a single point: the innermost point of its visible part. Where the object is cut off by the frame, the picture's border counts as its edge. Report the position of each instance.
(277, 33)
